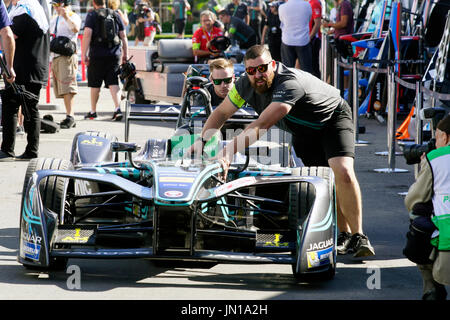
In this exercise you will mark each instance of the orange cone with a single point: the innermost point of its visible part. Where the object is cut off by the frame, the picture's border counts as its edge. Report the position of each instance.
(402, 131)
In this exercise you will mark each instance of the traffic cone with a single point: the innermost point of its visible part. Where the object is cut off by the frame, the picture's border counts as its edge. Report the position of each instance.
(402, 131)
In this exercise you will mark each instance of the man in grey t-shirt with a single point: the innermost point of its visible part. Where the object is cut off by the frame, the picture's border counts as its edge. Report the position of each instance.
(319, 120)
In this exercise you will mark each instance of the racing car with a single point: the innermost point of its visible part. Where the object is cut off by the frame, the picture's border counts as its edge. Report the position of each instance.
(158, 204)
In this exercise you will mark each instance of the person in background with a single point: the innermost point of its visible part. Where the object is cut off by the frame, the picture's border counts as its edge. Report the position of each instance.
(31, 56)
(239, 10)
(103, 60)
(273, 31)
(256, 17)
(239, 32)
(179, 10)
(115, 5)
(149, 28)
(64, 68)
(433, 185)
(295, 16)
(344, 20)
(315, 35)
(203, 35)
(142, 10)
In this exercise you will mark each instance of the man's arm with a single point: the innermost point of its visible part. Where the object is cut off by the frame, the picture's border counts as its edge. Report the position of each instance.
(87, 35)
(9, 48)
(315, 28)
(268, 118)
(124, 39)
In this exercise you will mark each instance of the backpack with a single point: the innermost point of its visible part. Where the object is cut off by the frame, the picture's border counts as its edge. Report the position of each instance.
(108, 30)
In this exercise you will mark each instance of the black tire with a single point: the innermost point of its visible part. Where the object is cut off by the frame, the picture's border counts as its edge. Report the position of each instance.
(92, 134)
(52, 190)
(302, 197)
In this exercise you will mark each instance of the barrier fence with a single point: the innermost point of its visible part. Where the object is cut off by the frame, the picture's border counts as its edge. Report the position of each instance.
(354, 67)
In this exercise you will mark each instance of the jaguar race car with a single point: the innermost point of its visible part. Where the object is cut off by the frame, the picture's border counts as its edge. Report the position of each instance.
(160, 205)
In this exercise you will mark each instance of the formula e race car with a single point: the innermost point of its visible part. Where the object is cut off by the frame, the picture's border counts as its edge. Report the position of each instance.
(160, 205)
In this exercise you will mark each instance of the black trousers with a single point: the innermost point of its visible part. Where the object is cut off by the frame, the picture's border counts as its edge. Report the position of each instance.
(275, 48)
(10, 109)
(256, 26)
(303, 53)
(316, 43)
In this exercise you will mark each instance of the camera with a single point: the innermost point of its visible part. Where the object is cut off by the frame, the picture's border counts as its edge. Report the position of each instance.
(413, 152)
(127, 70)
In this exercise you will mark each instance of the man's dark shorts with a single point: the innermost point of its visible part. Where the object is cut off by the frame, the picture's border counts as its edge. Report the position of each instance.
(180, 25)
(103, 69)
(337, 139)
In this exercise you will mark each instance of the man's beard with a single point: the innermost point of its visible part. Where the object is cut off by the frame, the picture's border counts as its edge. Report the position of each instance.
(261, 88)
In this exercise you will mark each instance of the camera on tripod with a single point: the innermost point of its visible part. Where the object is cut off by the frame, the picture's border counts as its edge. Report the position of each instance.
(413, 152)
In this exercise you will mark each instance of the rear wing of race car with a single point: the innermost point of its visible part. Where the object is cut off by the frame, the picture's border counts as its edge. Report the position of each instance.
(160, 112)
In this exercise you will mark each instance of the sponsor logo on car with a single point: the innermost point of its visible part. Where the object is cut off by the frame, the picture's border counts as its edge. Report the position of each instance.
(31, 250)
(92, 142)
(320, 245)
(319, 258)
(173, 194)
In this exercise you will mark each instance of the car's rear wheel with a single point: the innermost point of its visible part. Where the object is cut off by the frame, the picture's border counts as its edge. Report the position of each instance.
(302, 196)
(52, 190)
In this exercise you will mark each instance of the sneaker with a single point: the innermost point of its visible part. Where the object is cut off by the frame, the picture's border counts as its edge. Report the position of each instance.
(25, 157)
(20, 130)
(91, 116)
(437, 293)
(343, 240)
(4, 157)
(117, 116)
(67, 123)
(360, 246)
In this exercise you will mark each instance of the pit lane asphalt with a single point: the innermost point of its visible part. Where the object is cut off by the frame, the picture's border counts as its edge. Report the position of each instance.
(385, 222)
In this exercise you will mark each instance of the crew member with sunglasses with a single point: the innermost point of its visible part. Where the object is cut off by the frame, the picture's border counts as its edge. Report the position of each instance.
(320, 123)
(222, 78)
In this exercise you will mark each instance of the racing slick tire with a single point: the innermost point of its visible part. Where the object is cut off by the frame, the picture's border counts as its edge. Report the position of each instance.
(52, 191)
(302, 196)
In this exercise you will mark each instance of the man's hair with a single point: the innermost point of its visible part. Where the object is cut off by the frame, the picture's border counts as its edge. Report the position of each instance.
(99, 2)
(208, 13)
(444, 124)
(256, 51)
(220, 63)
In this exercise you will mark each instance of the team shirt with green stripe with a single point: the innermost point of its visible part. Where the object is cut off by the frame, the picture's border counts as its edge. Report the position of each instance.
(313, 101)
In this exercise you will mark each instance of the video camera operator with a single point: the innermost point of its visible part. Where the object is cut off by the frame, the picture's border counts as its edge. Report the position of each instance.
(428, 201)
(145, 24)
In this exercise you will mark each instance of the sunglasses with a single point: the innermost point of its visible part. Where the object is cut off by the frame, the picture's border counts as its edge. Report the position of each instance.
(218, 82)
(57, 4)
(261, 69)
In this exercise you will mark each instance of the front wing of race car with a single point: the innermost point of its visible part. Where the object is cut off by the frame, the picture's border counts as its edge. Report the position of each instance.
(313, 249)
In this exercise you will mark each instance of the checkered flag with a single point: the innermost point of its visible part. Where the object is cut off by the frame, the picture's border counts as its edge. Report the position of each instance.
(441, 62)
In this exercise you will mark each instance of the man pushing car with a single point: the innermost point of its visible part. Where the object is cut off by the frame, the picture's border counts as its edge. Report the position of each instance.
(319, 120)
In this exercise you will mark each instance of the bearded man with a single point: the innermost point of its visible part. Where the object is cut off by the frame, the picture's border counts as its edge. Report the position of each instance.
(319, 120)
